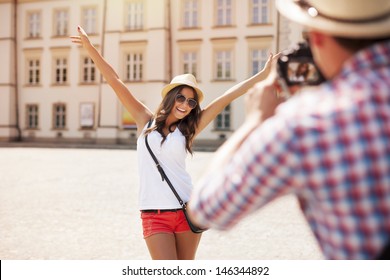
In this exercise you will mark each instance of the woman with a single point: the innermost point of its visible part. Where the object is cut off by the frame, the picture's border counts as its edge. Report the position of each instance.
(301, 72)
(177, 121)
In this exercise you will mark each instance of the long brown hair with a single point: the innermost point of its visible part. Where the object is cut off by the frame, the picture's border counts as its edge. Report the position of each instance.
(187, 125)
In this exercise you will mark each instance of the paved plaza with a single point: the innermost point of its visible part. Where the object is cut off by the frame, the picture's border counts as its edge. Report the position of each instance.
(81, 204)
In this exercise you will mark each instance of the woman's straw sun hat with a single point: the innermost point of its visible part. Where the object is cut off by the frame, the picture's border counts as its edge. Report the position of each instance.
(185, 79)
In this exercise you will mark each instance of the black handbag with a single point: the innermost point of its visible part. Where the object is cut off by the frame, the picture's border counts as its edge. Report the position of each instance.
(194, 228)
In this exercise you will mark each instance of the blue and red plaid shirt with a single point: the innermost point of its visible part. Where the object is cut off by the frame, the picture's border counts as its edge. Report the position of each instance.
(331, 148)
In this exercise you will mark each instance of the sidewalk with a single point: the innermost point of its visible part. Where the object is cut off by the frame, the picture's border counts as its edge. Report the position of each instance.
(199, 145)
(81, 204)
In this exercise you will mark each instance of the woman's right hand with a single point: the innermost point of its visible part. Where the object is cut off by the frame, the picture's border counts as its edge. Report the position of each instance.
(262, 99)
(265, 72)
(82, 39)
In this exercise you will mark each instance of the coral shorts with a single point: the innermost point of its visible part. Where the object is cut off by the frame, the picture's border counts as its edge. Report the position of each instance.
(164, 222)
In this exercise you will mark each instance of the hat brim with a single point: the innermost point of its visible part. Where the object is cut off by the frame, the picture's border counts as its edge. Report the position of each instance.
(376, 29)
(169, 87)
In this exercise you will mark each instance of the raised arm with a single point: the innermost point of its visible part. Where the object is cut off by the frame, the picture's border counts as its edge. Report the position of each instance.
(260, 104)
(218, 181)
(216, 106)
(139, 111)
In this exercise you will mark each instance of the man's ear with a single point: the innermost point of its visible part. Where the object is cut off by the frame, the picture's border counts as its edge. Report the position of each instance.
(316, 38)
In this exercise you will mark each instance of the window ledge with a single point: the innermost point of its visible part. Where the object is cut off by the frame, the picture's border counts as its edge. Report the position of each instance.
(221, 130)
(32, 85)
(31, 129)
(87, 128)
(33, 38)
(266, 24)
(88, 83)
(223, 80)
(224, 26)
(60, 85)
(196, 28)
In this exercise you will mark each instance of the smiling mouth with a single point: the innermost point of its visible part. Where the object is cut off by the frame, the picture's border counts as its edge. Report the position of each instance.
(180, 110)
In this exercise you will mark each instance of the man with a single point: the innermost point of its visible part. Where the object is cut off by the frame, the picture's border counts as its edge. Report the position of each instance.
(329, 145)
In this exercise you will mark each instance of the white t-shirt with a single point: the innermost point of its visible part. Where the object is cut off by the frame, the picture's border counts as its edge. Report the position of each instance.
(155, 193)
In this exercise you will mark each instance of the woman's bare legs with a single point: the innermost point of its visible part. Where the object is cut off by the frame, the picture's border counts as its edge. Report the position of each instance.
(187, 244)
(181, 246)
(162, 246)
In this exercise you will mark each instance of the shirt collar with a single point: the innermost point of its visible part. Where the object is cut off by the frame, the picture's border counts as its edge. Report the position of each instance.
(375, 56)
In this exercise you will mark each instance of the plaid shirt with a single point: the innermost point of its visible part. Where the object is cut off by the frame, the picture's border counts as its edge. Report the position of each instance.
(331, 148)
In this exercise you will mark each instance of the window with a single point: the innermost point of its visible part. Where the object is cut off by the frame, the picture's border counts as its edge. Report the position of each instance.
(190, 63)
(258, 52)
(223, 60)
(32, 116)
(32, 63)
(223, 65)
(258, 59)
(60, 71)
(189, 59)
(89, 20)
(260, 11)
(89, 70)
(61, 18)
(190, 13)
(33, 71)
(222, 122)
(59, 116)
(60, 65)
(134, 15)
(34, 24)
(224, 12)
(133, 66)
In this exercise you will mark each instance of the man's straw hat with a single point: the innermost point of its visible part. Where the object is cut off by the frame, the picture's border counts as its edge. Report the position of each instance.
(343, 18)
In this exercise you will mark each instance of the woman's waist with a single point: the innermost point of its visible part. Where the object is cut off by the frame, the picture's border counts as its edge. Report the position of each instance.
(158, 211)
(165, 206)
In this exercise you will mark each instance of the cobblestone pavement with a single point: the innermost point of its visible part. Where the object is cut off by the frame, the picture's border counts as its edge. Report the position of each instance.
(81, 204)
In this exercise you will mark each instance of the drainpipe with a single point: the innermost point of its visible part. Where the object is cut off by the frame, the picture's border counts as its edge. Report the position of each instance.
(277, 31)
(19, 135)
(170, 54)
(102, 52)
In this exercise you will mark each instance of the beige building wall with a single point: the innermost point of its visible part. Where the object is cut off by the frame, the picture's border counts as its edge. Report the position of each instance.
(163, 41)
(239, 37)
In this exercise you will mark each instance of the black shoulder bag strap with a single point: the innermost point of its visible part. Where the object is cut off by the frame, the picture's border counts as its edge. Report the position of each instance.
(385, 254)
(193, 227)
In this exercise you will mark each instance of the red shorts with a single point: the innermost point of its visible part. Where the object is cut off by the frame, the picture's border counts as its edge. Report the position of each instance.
(164, 222)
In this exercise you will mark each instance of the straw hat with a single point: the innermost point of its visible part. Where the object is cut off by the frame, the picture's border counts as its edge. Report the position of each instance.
(344, 18)
(185, 79)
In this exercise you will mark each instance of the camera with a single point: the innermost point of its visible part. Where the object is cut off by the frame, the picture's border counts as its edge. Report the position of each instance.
(296, 67)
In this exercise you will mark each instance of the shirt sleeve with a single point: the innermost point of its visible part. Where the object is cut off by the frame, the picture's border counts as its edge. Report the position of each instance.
(260, 170)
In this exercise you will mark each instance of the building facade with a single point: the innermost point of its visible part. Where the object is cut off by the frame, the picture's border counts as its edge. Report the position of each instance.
(51, 91)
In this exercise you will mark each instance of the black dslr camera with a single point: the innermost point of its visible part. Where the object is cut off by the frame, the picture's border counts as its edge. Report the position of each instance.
(296, 67)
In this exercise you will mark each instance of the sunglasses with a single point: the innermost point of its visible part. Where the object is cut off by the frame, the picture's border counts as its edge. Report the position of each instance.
(190, 101)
